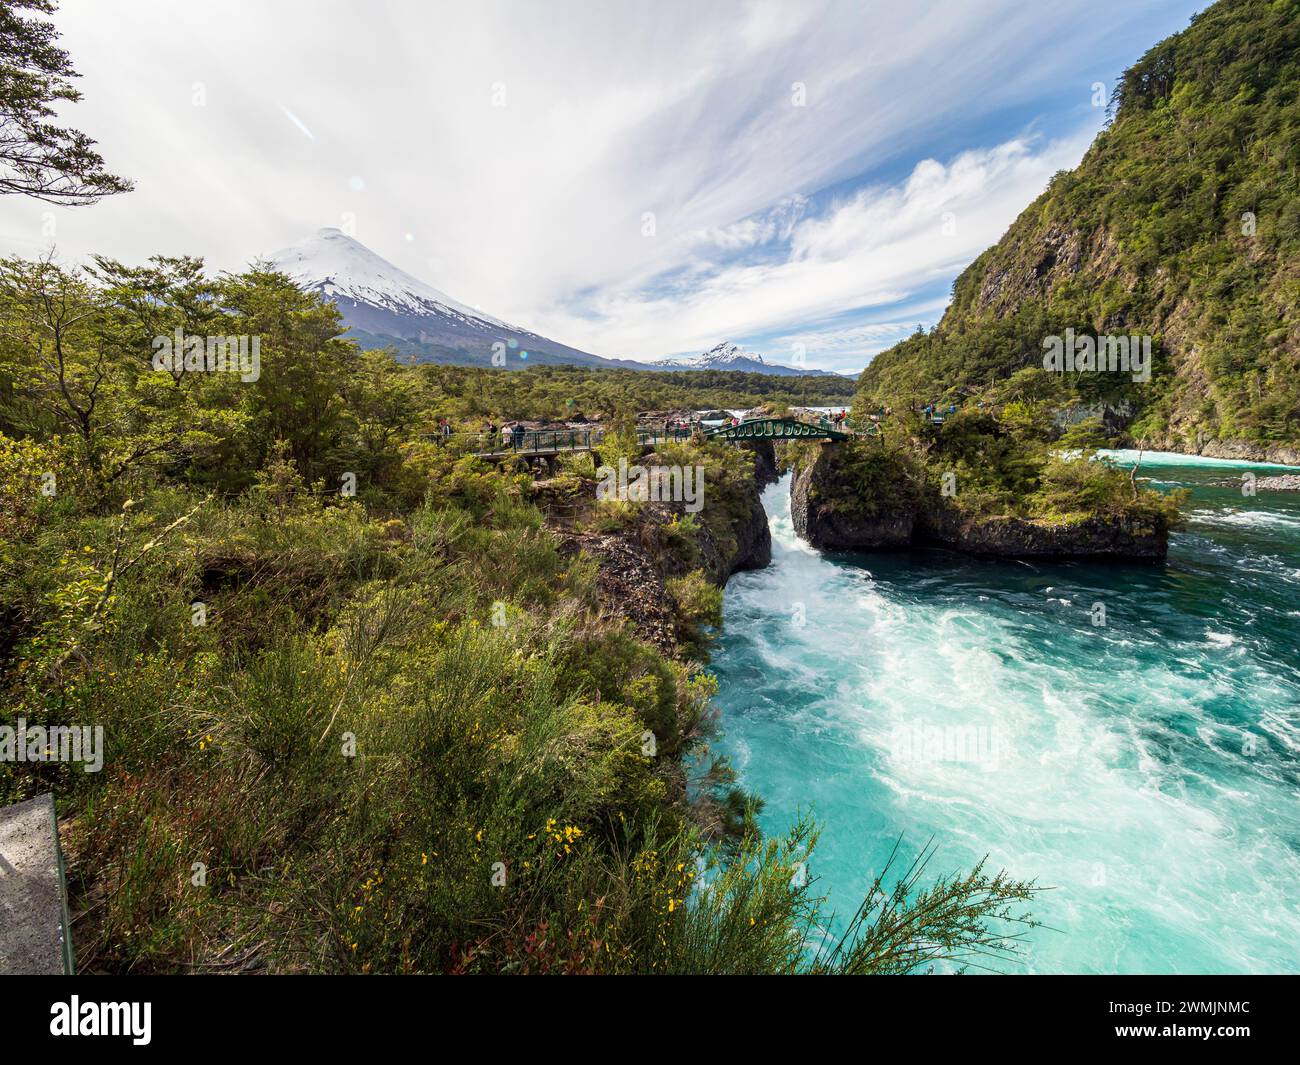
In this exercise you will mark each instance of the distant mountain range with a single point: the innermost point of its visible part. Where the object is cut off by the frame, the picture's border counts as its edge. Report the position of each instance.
(728, 356)
(384, 306)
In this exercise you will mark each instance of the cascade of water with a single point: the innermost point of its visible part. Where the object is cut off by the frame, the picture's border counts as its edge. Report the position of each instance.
(1146, 769)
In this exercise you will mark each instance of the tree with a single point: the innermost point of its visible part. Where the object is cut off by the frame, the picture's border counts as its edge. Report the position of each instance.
(298, 395)
(153, 301)
(38, 157)
(75, 364)
(54, 358)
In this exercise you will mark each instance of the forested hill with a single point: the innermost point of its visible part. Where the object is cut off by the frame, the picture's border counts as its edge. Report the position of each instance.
(1182, 223)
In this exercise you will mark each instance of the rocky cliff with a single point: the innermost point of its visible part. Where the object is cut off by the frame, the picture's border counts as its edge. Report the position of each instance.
(833, 509)
(1012, 537)
(766, 470)
(635, 563)
(1181, 224)
(829, 513)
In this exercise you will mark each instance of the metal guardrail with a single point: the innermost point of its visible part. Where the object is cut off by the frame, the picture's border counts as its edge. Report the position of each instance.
(553, 441)
(556, 441)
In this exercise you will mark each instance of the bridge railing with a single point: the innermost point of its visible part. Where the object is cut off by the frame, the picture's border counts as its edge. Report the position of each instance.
(532, 441)
(549, 441)
(556, 439)
(659, 436)
(552, 441)
(845, 425)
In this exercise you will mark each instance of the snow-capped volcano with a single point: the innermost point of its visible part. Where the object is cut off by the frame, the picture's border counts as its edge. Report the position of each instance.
(340, 267)
(724, 356)
(384, 306)
(728, 356)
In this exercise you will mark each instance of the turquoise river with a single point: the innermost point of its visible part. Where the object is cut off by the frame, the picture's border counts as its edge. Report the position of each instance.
(1143, 763)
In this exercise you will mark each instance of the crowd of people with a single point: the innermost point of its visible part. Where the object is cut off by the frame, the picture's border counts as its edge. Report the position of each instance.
(679, 425)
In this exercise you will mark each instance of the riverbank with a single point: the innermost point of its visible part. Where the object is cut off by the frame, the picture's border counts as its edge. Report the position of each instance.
(1131, 456)
(660, 562)
(1255, 453)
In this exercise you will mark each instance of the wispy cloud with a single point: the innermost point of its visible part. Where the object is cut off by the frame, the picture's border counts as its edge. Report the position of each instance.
(847, 347)
(776, 147)
(877, 247)
(763, 228)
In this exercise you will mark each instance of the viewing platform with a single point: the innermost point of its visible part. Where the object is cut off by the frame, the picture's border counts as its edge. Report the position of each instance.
(527, 443)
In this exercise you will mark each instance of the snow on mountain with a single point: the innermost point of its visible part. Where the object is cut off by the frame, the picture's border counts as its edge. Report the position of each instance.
(724, 356)
(384, 306)
(728, 356)
(335, 264)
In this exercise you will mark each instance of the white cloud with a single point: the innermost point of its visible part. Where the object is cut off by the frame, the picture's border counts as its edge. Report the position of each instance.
(763, 228)
(534, 210)
(850, 347)
(876, 247)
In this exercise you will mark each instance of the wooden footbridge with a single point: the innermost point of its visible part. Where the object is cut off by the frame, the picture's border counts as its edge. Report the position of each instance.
(543, 443)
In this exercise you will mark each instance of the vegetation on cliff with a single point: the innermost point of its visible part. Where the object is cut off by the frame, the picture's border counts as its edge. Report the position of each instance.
(979, 465)
(1181, 223)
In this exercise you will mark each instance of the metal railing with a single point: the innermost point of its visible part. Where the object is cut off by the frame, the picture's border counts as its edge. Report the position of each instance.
(550, 441)
(554, 441)
(537, 441)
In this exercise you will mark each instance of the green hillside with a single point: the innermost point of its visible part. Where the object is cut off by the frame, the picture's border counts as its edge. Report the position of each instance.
(1181, 223)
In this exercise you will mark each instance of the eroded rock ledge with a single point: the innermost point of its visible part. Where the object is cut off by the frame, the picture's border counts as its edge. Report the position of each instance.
(634, 564)
(830, 512)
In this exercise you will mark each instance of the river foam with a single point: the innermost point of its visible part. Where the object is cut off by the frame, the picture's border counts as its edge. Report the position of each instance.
(1145, 770)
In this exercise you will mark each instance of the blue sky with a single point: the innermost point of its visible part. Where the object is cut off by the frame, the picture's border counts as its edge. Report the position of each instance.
(639, 180)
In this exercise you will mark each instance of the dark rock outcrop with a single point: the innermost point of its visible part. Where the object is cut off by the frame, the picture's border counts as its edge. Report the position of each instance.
(766, 470)
(753, 543)
(1011, 537)
(629, 583)
(1114, 417)
(635, 563)
(829, 512)
(743, 544)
